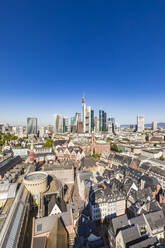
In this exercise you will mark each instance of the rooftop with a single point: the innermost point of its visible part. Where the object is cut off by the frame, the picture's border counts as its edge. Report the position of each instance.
(36, 176)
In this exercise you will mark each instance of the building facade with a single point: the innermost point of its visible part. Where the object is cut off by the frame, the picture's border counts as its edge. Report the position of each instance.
(61, 124)
(31, 125)
(106, 204)
(154, 125)
(86, 117)
(140, 124)
(102, 121)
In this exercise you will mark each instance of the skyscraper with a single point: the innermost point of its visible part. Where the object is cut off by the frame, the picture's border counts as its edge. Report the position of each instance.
(92, 120)
(84, 114)
(86, 117)
(140, 124)
(59, 123)
(31, 125)
(77, 118)
(154, 125)
(102, 121)
(66, 124)
(109, 126)
(96, 128)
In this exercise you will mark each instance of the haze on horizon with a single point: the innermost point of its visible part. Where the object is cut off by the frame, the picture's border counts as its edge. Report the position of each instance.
(54, 52)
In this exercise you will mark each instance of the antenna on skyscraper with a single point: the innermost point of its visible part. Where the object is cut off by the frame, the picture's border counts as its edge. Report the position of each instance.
(83, 98)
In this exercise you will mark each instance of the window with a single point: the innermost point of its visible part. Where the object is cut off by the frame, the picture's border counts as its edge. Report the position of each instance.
(39, 227)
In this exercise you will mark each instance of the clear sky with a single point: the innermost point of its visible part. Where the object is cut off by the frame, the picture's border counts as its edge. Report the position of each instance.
(52, 52)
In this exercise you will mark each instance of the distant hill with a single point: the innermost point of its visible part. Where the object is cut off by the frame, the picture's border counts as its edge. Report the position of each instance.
(160, 124)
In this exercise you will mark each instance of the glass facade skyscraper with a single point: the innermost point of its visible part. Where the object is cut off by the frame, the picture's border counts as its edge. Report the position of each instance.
(102, 121)
(92, 120)
(31, 125)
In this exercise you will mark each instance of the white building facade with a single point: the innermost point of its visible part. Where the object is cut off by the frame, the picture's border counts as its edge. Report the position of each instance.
(140, 124)
(86, 117)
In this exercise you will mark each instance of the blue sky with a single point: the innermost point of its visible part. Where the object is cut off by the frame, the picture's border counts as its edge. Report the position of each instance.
(53, 52)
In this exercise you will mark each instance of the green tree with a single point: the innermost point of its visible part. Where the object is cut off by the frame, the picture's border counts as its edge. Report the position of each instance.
(126, 139)
(95, 155)
(48, 143)
(161, 158)
(114, 147)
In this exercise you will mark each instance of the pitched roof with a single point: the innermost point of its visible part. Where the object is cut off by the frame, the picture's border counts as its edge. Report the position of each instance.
(130, 234)
(119, 222)
(155, 219)
(139, 220)
(59, 142)
(45, 224)
(146, 243)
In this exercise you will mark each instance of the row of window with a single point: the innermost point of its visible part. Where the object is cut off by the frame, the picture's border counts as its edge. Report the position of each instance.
(103, 205)
(108, 211)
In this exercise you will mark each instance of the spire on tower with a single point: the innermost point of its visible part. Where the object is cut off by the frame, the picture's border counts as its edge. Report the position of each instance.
(83, 100)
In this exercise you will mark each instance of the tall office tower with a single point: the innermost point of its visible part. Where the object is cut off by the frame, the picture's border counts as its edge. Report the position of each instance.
(84, 114)
(72, 121)
(154, 125)
(140, 124)
(109, 126)
(102, 121)
(77, 118)
(31, 126)
(96, 128)
(92, 121)
(86, 117)
(66, 124)
(79, 127)
(59, 123)
(113, 120)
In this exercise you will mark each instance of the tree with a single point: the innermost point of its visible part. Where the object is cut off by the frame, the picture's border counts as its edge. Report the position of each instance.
(95, 155)
(114, 147)
(126, 139)
(48, 143)
(161, 158)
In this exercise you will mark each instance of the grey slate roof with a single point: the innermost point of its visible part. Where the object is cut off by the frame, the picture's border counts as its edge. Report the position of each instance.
(155, 219)
(66, 217)
(150, 182)
(139, 220)
(108, 173)
(45, 224)
(89, 162)
(130, 234)
(119, 222)
(60, 203)
(59, 142)
(146, 243)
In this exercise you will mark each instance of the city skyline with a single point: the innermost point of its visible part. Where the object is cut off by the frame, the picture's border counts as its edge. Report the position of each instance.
(111, 51)
(96, 114)
(82, 125)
